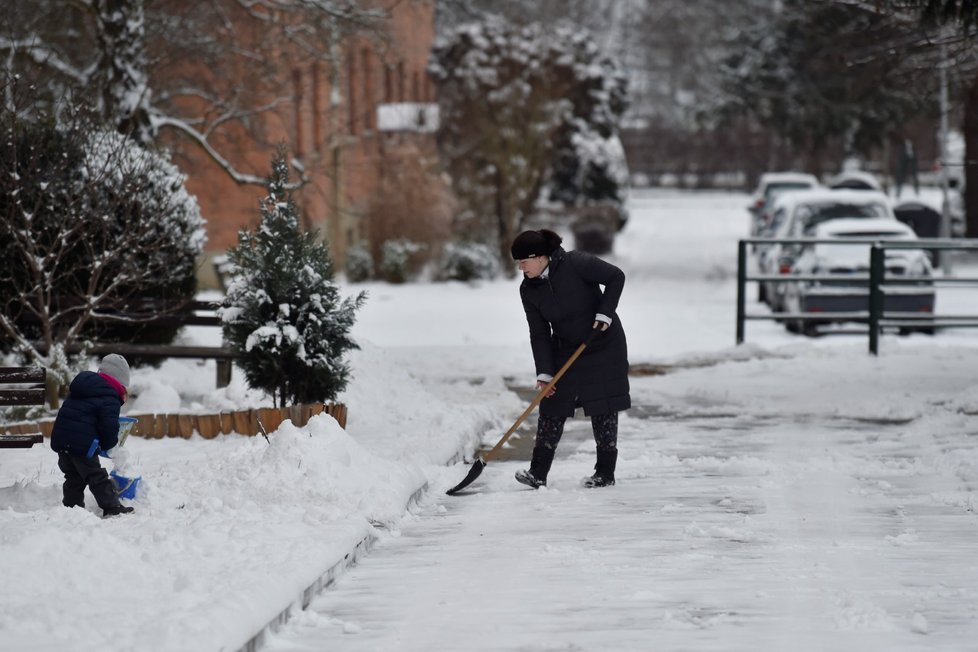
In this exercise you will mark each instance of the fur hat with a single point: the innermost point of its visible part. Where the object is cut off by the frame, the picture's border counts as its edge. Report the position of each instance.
(116, 366)
(530, 244)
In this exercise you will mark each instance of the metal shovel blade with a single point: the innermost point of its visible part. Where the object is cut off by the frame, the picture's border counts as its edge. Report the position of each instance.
(474, 473)
(480, 463)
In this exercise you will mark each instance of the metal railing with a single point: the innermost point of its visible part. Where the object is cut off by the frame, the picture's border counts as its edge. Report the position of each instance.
(875, 316)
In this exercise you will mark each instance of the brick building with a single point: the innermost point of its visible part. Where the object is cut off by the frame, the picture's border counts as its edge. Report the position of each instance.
(356, 126)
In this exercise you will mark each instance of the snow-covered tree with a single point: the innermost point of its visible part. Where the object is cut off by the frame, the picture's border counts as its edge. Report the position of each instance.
(91, 224)
(588, 164)
(511, 98)
(824, 72)
(283, 311)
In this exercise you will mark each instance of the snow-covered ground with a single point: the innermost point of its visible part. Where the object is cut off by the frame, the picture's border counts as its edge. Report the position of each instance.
(786, 493)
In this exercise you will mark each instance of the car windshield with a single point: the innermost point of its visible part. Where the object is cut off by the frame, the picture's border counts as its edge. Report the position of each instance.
(811, 215)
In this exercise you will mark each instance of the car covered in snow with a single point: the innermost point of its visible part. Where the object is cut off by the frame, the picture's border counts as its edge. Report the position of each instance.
(908, 287)
(855, 180)
(769, 186)
(796, 214)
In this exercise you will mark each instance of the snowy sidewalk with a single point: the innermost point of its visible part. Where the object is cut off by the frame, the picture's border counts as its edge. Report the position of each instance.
(227, 532)
(790, 484)
(736, 525)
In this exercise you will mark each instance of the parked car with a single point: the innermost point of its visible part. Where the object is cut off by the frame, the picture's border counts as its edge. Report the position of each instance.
(855, 180)
(796, 214)
(769, 186)
(913, 290)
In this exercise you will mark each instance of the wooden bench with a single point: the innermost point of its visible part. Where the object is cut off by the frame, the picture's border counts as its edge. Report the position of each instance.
(29, 390)
(224, 356)
(196, 313)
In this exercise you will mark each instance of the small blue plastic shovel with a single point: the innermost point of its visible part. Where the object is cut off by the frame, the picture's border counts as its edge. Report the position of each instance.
(126, 487)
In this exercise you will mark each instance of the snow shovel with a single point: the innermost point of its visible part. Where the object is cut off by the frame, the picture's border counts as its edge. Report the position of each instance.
(480, 463)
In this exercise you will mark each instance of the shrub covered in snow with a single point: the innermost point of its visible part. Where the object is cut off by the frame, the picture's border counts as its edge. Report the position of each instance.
(283, 311)
(468, 261)
(396, 257)
(91, 224)
(359, 264)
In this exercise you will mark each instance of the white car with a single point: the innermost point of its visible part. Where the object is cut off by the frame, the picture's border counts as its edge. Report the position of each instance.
(908, 287)
(796, 214)
(855, 180)
(769, 186)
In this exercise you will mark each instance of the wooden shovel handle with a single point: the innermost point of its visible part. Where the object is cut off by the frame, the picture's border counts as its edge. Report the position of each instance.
(539, 397)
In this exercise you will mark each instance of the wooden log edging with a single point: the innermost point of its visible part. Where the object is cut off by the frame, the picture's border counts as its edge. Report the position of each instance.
(242, 422)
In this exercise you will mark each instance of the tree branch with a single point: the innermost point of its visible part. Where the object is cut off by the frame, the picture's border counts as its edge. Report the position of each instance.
(45, 56)
(187, 130)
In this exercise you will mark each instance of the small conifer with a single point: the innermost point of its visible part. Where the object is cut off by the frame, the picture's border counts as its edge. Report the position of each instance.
(283, 311)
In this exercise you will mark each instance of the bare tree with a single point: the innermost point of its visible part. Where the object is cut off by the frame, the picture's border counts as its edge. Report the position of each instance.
(165, 66)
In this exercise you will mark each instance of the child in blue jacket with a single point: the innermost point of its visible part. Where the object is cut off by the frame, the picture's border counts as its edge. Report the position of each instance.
(87, 423)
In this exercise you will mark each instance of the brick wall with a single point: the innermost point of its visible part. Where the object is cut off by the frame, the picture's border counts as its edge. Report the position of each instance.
(334, 134)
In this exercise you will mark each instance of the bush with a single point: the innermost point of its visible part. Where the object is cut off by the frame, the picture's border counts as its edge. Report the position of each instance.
(91, 224)
(359, 265)
(468, 261)
(396, 257)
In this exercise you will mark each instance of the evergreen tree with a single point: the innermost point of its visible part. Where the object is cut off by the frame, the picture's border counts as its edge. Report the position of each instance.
(283, 311)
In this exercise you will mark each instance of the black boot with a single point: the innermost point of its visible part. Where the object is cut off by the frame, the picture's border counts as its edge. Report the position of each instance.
(604, 469)
(536, 477)
(116, 510)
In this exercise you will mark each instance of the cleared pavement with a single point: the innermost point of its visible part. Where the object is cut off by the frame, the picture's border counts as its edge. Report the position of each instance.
(723, 533)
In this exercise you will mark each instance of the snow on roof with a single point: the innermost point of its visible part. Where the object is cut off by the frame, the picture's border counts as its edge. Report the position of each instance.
(866, 227)
(932, 200)
(787, 177)
(828, 195)
(856, 176)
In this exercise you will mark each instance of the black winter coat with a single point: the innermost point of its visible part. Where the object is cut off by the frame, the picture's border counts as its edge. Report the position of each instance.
(560, 311)
(90, 412)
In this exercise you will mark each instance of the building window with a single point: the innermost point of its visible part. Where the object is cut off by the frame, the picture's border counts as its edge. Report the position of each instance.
(368, 90)
(297, 102)
(317, 105)
(351, 102)
(416, 87)
(400, 81)
(388, 84)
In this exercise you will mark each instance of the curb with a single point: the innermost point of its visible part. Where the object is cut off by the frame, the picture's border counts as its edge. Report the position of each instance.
(334, 572)
(323, 582)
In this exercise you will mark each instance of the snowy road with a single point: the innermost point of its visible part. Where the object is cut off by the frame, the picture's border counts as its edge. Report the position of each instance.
(723, 533)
